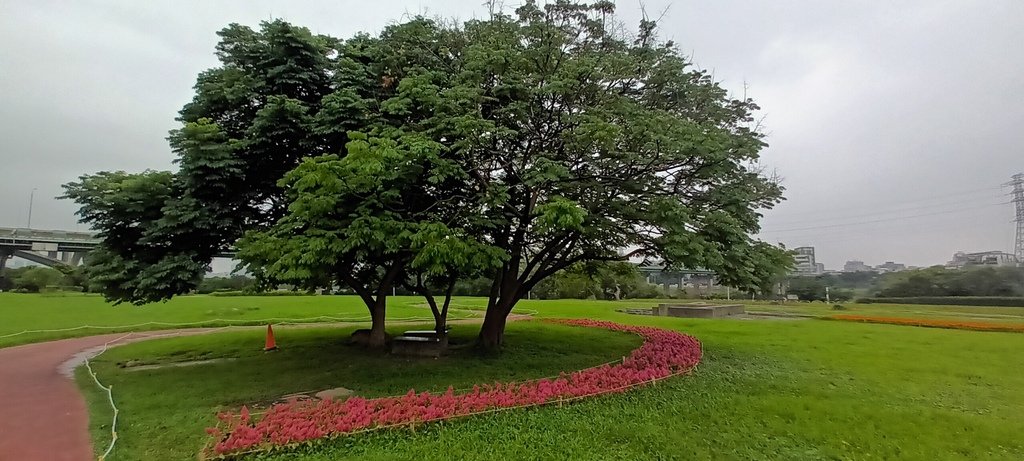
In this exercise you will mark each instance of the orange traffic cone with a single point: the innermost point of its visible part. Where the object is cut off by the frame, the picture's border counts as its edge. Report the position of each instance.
(271, 344)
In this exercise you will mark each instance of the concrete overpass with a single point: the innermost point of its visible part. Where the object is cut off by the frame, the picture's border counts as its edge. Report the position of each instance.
(53, 248)
(47, 247)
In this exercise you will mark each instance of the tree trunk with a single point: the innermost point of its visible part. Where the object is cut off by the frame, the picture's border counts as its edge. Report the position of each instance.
(492, 332)
(440, 317)
(378, 337)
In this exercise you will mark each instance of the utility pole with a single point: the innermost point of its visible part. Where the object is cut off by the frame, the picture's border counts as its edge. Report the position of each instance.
(828, 299)
(31, 198)
(1018, 200)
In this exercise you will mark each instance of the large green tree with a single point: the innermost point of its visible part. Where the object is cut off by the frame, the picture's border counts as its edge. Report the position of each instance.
(252, 119)
(593, 145)
(513, 146)
(396, 207)
(563, 142)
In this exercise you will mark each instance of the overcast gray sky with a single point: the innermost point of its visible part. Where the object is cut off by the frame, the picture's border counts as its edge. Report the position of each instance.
(893, 124)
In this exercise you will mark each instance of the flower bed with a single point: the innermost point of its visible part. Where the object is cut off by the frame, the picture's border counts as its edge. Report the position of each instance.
(664, 353)
(933, 323)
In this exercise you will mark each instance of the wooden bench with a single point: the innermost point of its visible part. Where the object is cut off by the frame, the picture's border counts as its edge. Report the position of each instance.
(424, 333)
(415, 339)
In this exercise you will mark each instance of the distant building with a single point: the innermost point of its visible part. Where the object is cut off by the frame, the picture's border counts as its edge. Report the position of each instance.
(804, 263)
(984, 258)
(819, 268)
(657, 275)
(890, 266)
(856, 266)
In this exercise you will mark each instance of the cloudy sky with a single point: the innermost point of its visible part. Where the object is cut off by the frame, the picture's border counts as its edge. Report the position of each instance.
(893, 124)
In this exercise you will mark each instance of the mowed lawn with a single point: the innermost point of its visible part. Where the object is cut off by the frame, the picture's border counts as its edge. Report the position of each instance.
(69, 314)
(766, 389)
(960, 313)
(31, 318)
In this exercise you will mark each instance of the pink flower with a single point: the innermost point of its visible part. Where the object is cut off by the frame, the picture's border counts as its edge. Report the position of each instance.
(663, 354)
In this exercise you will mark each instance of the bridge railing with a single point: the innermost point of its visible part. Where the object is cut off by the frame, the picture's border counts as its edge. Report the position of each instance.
(41, 235)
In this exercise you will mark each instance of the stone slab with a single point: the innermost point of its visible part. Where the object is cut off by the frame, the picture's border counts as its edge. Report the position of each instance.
(698, 311)
(417, 346)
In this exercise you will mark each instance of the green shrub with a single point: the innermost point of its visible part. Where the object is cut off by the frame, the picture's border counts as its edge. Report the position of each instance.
(265, 293)
(35, 278)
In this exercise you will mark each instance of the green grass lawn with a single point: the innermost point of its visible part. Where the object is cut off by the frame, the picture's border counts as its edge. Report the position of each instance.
(767, 389)
(22, 312)
(164, 411)
(70, 312)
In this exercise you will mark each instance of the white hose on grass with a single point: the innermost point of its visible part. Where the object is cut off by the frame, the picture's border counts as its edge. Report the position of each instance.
(277, 320)
(110, 389)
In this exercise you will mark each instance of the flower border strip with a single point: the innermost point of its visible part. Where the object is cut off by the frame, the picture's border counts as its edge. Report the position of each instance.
(931, 323)
(664, 354)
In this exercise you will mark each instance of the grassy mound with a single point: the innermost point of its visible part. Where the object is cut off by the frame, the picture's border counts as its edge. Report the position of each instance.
(164, 411)
(766, 390)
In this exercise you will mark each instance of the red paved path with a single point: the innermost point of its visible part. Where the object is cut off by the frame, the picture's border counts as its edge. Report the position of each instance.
(44, 417)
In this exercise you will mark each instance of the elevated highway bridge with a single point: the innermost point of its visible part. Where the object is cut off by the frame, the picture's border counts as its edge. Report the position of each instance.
(47, 247)
(53, 248)
(59, 247)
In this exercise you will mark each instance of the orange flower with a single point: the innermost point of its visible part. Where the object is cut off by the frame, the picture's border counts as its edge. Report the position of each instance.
(932, 323)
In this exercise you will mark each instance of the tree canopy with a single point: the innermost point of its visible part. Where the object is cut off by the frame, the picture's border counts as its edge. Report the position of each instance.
(939, 281)
(511, 147)
(252, 119)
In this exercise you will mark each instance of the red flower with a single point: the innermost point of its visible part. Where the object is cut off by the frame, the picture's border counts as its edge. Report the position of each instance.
(663, 354)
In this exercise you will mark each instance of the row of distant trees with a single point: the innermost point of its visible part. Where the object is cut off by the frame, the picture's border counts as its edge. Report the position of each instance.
(35, 279)
(613, 280)
(622, 280)
(616, 280)
(932, 282)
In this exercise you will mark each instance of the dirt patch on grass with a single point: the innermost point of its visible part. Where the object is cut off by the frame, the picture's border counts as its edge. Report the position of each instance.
(190, 363)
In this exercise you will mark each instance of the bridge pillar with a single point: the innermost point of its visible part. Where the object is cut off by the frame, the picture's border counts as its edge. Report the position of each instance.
(5, 254)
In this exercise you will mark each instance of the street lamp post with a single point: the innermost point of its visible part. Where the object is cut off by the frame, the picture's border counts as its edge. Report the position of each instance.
(31, 198)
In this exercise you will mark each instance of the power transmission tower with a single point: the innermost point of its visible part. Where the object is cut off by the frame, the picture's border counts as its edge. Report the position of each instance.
(1018, 199)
